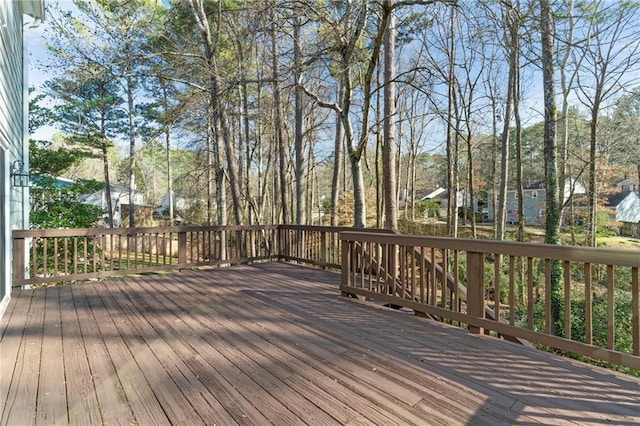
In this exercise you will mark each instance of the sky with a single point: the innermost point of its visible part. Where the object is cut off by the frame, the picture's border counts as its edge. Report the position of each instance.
(37, 54)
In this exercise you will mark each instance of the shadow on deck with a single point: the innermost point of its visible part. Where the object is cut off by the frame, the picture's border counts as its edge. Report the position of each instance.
(275, 343)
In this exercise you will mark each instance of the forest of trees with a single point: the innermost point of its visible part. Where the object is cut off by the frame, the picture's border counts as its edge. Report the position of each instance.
(271, 111)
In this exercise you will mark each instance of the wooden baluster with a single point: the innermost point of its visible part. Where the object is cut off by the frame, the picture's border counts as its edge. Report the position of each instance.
(635, 302)
(512, 290)
(19, 261)
(530, 300)
(547, 297)
(567, 299)
(475, 288)
(588, 318)
(611, 329)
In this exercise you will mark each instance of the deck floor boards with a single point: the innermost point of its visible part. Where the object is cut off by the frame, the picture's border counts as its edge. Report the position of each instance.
(275, 343)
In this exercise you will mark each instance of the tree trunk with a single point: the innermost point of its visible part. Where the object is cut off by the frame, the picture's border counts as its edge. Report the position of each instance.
(553, 208)
(299, 131)
(518, 137)
(452, 215)
(337, 168)
(501, 216)
(105, 165)
(280, 133)
(389, 145)
(592, 193)
(220, 122)
(378, 159)
(132, 148)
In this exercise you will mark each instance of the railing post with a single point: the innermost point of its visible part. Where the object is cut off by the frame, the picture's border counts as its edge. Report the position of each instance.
(18, 261)
(324, 248)
(345, 265)
(182, 248)
(475, 288)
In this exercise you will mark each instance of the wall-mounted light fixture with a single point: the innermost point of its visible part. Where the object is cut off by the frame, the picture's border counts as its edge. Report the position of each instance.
(19, 178)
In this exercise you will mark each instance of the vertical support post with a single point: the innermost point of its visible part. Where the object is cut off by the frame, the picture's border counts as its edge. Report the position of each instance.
(182, 248)
(324, 248)
(475, 288)
(18, 261)
(635, 302)
(345, 265)
(392, 270)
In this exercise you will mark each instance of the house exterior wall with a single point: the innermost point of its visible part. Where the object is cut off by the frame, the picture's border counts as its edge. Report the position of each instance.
(533, 205)
(14, 204)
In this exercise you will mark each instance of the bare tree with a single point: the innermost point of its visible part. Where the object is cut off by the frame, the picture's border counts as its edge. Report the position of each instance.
(388, 147)
(553, 207)
(220, 121)
(610, 63)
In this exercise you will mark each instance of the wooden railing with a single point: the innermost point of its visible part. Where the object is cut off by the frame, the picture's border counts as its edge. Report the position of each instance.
(488, 286)
(45, 256)
(57, 255)
(595, 311)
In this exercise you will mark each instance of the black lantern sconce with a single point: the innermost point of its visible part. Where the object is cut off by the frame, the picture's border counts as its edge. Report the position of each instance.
(19, 178)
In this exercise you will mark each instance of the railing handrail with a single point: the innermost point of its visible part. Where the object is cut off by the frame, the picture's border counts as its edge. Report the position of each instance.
(76, 254)
(539, 250)
(408, 278)
(86, 232)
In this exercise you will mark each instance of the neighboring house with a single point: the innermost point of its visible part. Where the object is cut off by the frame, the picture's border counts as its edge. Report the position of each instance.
(534, 201)
(119, 201)
(626, 205)
(179, 204)
(437, 194)
(629, 184)
(14, 148)
(441, 196)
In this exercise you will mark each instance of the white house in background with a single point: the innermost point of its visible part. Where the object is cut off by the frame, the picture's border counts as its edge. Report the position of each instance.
(627, 211)
(629, 184)
(435, 194)
(119, 199)
(16, 17)
(179, 203)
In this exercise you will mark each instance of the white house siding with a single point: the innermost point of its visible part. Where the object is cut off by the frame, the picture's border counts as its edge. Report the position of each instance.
(13, 146)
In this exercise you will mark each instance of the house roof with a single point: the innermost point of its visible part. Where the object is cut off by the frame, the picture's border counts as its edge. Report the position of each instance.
(628, 207)
(616, 198)
(434, 194)
(533, 184)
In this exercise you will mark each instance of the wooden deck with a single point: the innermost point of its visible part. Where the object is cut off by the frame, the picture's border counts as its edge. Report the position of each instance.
(275, 344)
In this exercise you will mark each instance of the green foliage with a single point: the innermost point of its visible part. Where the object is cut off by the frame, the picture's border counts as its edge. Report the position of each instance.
(89, 109)
(45, 160)
(428, 208)
(58, 204)
(623, 312)
(38, 116)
